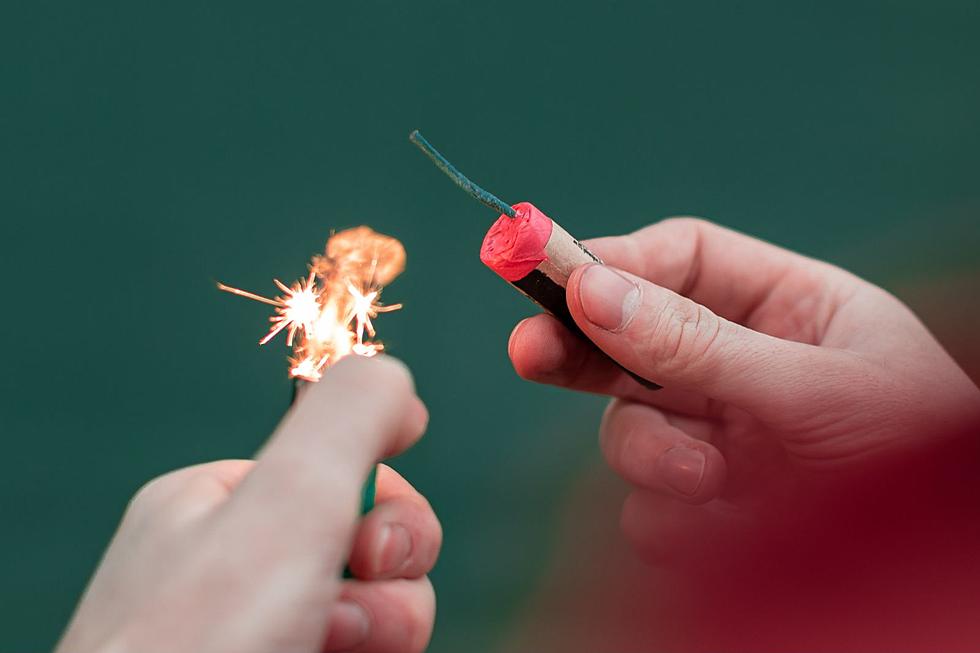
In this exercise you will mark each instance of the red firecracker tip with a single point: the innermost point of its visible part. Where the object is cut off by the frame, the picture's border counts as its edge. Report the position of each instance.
(513, 247)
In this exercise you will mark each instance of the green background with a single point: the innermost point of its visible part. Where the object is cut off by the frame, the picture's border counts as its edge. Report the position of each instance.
(149, 149)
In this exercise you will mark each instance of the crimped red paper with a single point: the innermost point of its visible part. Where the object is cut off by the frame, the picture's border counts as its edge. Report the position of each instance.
(513, 247)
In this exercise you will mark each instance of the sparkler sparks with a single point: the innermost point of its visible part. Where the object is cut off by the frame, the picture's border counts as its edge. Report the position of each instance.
(331, 309)
(364, 308)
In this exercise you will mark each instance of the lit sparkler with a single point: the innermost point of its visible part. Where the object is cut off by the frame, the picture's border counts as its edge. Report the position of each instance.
(332, 308)
(363, 309)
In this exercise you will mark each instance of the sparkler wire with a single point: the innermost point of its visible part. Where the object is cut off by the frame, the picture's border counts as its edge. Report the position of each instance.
(317, 314)
(461, 180)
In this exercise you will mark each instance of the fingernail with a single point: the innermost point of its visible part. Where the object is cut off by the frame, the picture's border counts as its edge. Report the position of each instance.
(393, 548)
(349, 626)
(510, 340)
(682, 469)
(609, 300)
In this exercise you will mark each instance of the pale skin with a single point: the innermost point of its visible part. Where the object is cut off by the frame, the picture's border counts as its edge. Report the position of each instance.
(781, 374)
(242, 555)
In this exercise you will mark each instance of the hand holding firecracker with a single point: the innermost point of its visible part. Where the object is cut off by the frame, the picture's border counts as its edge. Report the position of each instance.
(784, 377)
(782, 374)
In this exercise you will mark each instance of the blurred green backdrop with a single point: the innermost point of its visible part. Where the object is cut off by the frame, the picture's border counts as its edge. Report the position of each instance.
(149, 149)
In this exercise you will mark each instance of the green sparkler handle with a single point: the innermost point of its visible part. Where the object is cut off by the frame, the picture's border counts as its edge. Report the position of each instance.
(369, 490)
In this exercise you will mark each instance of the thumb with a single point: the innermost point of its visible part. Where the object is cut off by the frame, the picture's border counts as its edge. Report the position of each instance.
(302, 496)
(669, 339)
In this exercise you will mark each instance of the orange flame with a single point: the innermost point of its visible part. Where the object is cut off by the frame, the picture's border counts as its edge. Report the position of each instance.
(333, 307)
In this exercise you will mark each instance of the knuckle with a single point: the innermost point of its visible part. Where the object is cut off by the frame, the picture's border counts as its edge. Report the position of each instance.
(685, 231)
(685, 222)
(674, 225)
(151, 494)
(158, 506)
(175, 499)
(683, 337)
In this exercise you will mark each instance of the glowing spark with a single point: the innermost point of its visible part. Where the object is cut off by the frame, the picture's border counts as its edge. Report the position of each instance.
(298, 308)
(367, 350)
(330, 319)
(308, 369)
(363, 309)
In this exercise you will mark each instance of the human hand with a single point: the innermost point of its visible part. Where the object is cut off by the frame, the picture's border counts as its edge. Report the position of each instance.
(241, 555)
(781, 373)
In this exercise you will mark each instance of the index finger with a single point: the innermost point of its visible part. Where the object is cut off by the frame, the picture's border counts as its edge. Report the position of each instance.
(729, 272)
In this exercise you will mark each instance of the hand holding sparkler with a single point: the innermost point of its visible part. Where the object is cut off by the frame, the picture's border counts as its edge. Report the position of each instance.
(246, 556)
